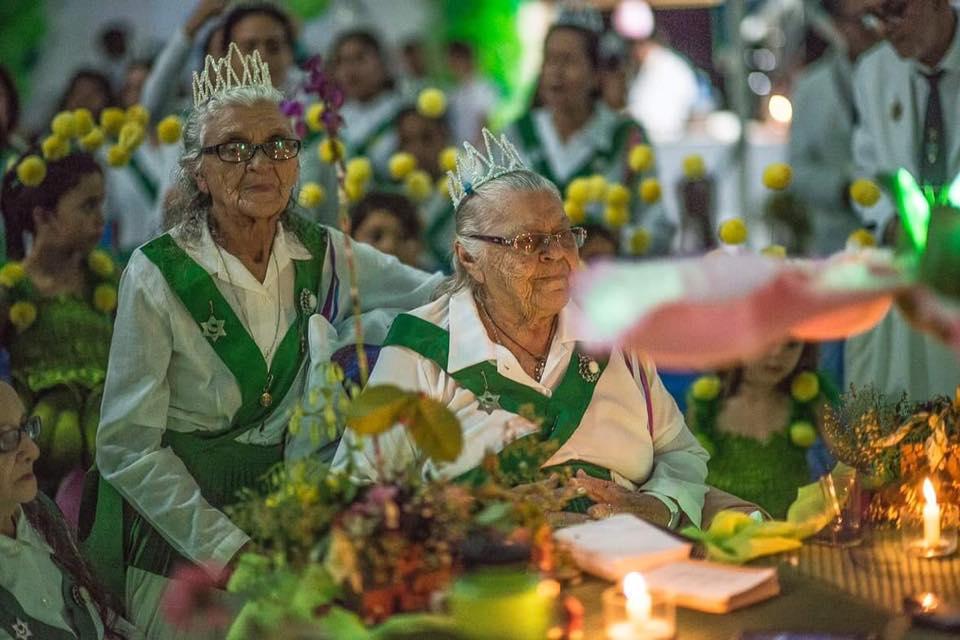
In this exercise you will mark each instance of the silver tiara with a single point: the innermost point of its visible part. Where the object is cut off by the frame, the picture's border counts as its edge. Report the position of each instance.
(581, 15)
(233, 70)
(474, 169)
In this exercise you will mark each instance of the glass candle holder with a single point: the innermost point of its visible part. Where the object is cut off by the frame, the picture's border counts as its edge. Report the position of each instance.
(624, 620)
(502, 604)
(930, 534)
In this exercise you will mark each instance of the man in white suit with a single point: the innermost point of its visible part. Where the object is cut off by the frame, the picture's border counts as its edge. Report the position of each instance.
(907, 95)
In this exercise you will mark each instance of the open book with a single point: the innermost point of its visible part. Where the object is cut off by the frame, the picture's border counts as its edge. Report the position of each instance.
(614, 547)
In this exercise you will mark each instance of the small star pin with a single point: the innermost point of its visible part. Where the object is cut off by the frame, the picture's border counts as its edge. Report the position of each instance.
(213, 329)
(489, 402)
(21, 631)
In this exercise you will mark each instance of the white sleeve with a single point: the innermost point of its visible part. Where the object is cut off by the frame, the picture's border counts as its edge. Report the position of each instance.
(133, 419)
(160, 87)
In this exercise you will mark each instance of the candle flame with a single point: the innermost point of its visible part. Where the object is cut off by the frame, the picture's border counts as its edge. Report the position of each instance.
(929, 602)
(634, 586)
(928, 493)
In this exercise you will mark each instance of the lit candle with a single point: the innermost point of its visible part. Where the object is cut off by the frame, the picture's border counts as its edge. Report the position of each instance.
(638, 598)
(931, 516)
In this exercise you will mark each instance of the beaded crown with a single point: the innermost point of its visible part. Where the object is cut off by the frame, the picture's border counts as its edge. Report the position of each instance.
(233, 70)
(475, 168)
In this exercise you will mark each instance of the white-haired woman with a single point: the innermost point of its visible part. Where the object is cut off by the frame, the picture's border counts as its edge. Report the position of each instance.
(208, 352)
(501, 337)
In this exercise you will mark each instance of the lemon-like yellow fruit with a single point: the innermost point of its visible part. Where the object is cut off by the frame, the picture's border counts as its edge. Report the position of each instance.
(401, 164)
(640, 158)
(331, 150)
(805, 386)
(118, 156)
(169, 130)
(131, 135)
(314, 117)
(777, 251)
(860, 239)
(640, 241)
(101, 264)
(54, 147)
(64, 124)
(865, 192)
(311, 194)
(432, 102)
(596, 187)
(618, 195)
(694, 167)
(616, 216)
(650, 190)
(93, 140)
(83, 120)
(105, 298)
(448, 159)
(111, 119)
(733, 231)
(11, 274)
(354, 190)
(575, 211)
(418, 185)
(803, 434)
(22, 315)
(139, 114)
(578, 191)
(706, 388)
(31, 171)
(359, 169)
(777, 176)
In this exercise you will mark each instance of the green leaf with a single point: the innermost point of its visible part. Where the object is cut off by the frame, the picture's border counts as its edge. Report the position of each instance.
(343, 625)
(493, 513)
(436, 430)
(378, 409)
(914, 208)
(953, 193)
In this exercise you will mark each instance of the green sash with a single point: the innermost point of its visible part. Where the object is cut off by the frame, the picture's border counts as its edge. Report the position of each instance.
(561, 413)
(219, 464)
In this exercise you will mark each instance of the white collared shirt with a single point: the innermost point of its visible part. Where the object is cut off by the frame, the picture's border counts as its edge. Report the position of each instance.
(612, 434)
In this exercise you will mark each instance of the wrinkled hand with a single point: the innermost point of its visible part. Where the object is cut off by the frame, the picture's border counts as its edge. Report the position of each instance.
(611, 498)
(204, 11)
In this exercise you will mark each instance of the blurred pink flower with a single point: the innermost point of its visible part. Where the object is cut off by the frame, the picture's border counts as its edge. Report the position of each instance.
(193, 602)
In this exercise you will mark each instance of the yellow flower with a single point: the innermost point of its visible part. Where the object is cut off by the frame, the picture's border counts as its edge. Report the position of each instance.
(706, 388)
(865, 192)
(640, 158)
(169, 130)
(311, 194)
(596, 188)
(307, 494)
(618, 195)
(111, 119)
(861, 239)
(575, 211)
(805, 386)
(578, 191)
(354, 190)
(694, 167)
(418, 185)
(64, 124)
(271, 502)
(401, 164)
(777, 176)
(11, 274)
(733, 231)
(359, 169)
(448, 159)
(83, 120)
(803, 434)
(117, 156)
(777, 251)
(31, 171)
(139, 114)
(22, 315)
(54, 147)
(331, 150)
(431, 103)
(92, 140)
(105, 298)
(101, 264)
(314, 116)
(616, 216)
(640, 241)
(650, 190)
(131, 135)
(443, 186)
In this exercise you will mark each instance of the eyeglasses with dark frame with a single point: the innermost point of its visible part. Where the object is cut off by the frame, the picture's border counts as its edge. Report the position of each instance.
(531, 243)
(10, 438)
(236, 151)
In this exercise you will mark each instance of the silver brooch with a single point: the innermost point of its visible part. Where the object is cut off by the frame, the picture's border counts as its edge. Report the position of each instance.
(21, 631)
(487, 401)
(589, 368)
(213, 328)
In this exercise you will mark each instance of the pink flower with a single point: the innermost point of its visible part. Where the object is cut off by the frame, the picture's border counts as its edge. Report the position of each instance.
(193, 602)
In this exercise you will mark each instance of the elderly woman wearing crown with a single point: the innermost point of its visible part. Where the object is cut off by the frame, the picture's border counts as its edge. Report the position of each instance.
(208, 352)
(501, 337)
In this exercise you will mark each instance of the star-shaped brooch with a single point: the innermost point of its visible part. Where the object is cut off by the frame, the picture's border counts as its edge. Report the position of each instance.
(213, 328)
(489, 402)
(21, 631)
